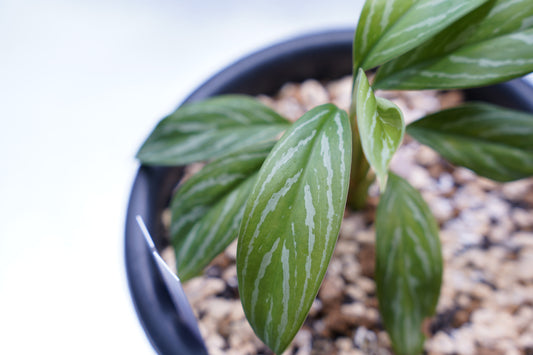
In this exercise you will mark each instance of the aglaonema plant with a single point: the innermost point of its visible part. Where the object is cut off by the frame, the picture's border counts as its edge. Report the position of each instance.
(285, 199)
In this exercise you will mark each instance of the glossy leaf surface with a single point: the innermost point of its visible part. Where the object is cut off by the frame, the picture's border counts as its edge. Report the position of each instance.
(492, 141)
(389, 28)
(492, 44)
(291, 223)
(408, 264)
(381, 127)
(209, 129)
(207, 209)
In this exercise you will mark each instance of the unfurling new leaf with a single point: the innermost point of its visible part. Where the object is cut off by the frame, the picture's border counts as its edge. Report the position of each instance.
(207, 209)
(408, 264)
(492, 141)
(209, 129)
(381, 126)
(291, 223)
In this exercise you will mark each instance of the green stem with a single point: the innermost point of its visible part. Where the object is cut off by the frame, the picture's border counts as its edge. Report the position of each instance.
(361, 176)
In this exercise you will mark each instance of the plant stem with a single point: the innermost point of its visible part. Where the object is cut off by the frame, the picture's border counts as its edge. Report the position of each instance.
(361, 176)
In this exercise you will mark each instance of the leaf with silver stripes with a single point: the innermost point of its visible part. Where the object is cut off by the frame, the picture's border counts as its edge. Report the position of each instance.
(492, 44)
(389, 28)
(211, 128)
(408, 264)
(494, 142)
(207, 209)
(291, 223)
(381, 127)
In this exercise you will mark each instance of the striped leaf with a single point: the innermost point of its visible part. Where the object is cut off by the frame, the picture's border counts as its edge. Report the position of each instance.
(492, 141)
(291, 222)
(381, 127)
(408, 264)
(207, 209)
(209, 129)
(492, 44)
(389, 28)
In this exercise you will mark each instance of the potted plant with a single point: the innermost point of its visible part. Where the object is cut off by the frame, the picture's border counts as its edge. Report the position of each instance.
(284, 199)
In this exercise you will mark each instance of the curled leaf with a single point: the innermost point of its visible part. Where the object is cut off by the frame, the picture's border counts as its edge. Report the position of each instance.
(381, 127)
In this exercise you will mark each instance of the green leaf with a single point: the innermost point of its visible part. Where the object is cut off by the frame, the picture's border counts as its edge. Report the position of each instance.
(291, 223)
(492, 141)
(380, 125)
(209, 129)
(492, 44)
(408, 264)
(389, 28)
(207, 209)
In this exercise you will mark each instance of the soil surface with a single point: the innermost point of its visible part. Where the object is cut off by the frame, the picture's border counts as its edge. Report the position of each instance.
(486, 302)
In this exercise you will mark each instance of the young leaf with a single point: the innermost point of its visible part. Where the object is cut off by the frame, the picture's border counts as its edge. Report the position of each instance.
(207, 209)
(389, 28)
(291, 222)
(381, 127)
(492, 141)
(408, 264)
(209, 129)
(492, 44)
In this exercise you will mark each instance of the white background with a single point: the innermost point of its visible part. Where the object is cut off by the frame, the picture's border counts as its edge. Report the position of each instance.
(81, 85)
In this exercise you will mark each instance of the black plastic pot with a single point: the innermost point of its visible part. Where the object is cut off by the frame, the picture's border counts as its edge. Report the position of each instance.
(320, 56)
